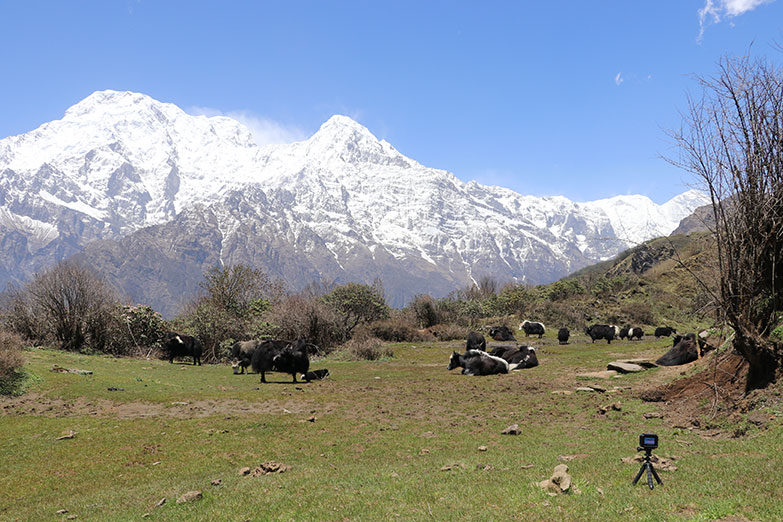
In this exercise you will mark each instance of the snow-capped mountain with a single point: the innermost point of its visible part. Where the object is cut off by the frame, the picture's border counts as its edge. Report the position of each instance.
(341, 205)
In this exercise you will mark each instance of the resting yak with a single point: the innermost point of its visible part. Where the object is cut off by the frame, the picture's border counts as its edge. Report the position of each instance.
(501, 333)
(476, 341)
(476, 362)
(532, 328)
(683, 351)
(518, 358)
(601, 331)
(176, 345)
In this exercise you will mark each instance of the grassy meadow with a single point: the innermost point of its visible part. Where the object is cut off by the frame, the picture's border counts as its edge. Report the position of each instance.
(391, 439)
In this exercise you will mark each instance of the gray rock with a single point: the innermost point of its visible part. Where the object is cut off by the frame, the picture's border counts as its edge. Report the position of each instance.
(624, 367)
(190, 496)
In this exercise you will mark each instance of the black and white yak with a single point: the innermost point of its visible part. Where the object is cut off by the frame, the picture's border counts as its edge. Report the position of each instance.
(518, 358)
(601, 331)
(477, 362)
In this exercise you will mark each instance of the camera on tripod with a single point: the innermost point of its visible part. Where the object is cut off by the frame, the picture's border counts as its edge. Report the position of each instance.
(648, 441)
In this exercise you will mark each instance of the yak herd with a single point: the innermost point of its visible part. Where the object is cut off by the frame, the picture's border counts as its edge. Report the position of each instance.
(293, 357)
(503, 358)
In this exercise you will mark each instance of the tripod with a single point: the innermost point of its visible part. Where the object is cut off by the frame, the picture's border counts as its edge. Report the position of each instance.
(647, 465)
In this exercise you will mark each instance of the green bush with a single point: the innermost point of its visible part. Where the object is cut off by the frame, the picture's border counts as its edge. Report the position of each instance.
(358, 304)
(134, 330)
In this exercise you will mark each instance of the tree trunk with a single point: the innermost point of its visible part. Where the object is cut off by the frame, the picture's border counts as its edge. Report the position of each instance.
(764, 360)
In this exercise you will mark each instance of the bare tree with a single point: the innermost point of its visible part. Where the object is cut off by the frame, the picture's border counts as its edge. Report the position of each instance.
(732, 140)
(74, 304)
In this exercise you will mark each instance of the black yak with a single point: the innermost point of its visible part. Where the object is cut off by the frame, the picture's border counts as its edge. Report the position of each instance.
(532, 328)
(563, 335)
(501, 333)
(176, 345)
(601, 331)
(476, 341)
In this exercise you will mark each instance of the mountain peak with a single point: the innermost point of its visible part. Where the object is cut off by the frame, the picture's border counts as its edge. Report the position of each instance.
(99, 101)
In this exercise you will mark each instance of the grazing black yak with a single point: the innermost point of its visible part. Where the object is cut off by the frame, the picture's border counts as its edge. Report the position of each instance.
(501, 333)
(293, 359)
(476, 341)
(477, 362)
(601, 331)
(683, 352)
(636, 332)
(563, 335)
(625, 331)
(664, 331)
(242, 355)
(176, 345)
(263, 357)
(532, 328)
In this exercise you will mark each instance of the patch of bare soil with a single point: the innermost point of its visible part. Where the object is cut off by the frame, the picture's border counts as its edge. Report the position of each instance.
(41, 405)
(717, 390)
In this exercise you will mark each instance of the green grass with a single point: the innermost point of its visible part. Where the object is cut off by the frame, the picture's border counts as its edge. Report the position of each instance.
(382, 433)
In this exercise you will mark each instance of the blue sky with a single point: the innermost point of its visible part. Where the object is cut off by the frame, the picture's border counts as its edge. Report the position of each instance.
(545, 97)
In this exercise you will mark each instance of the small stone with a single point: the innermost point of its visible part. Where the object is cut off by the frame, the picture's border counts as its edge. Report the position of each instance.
(71, 434)
(312, 419)
(599, 490)
(562, 392)
(160, 502)
(585, 389)
(71, 517)
(424, 451)
(190, 496)
(156, 463)
(645, 363)
(179, 403)
(512, 430)
(605, 374)
(483, 448)
(61, 511)
(145, 515)
(244, 471)
(395, 474)
(653, 415)
(216, 482)
(623, 367)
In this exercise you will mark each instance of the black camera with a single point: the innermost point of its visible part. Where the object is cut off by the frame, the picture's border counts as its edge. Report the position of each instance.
(648, 441)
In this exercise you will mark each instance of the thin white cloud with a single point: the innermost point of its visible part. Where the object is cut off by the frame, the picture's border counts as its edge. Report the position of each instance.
(264, 130)
(618, 79)
(714, 10)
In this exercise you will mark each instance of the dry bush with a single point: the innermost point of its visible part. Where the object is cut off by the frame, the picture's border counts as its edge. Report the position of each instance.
(450, 332)
(308, 317)
(398, 331)
(425, 310)
(558, 314)
(11, 361)
(365, 347)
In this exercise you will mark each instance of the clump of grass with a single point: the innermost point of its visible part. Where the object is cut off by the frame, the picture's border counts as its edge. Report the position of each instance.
(11, 361)
(398, 331)
(365, 347)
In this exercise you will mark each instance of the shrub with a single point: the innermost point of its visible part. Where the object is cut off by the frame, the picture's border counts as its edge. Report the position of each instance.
(397, 331)
(308, 317)
(134, 330)
(358, 304)
(11, 362)
(639, 313)
(365, 347)
(425, 310)
(450, 332)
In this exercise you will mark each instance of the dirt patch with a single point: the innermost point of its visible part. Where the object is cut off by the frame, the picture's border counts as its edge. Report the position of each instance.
(719, 386)
(41, 405)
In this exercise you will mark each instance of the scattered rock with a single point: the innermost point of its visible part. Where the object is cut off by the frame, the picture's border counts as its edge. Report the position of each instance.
(512, 430)
(424, 451)
(660, 463)
(216, 482)
(269, 467)
(599, 490)
(559, 482)
(312, 419)
(61, 511)
(71, 434)
(651, 396)
(244, 471)
(568, 458)
(483, 448)
(71, 370)
(190, 496)
(653, 415)
(562, 392)
(156, 463)
(624, 367)
(484, 467)
(160, 502)
(526, 466)
(610, 407)
(71, 517)
(145, 515)
(645, 363)
(455, 466)
(605, 374)
(179, 403)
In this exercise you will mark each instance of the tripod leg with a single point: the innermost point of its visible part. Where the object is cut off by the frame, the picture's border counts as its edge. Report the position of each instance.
(635, 480)
(649, 474)
(655, 474)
